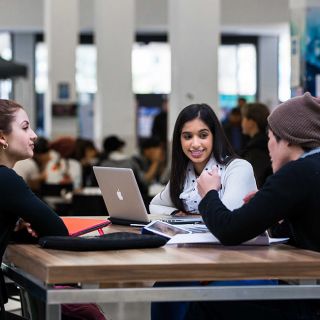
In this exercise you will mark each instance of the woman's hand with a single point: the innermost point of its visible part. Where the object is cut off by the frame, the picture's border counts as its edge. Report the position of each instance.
(21, 224)
(208, 180)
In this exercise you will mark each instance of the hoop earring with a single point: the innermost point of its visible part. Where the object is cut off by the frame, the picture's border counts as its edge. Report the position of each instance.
(5, 146)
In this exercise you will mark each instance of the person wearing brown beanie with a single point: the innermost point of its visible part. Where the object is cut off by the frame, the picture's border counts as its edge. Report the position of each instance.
(298, 121)
(291, 193)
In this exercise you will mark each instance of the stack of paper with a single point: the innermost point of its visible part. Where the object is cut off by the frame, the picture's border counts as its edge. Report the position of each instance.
(207, 237)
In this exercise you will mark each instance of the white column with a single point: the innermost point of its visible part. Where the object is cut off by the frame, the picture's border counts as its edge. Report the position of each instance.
(268, 83)
(24, 90)
(114, 106)
(61, 37)
(194, 38)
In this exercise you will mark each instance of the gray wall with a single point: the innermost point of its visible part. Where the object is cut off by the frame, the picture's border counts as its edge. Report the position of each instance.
(151, 15)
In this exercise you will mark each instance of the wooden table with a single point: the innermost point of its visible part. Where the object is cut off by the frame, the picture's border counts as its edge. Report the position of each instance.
(37, 270)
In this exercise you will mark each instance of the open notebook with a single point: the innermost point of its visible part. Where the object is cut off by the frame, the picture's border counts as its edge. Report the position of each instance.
(78, 226)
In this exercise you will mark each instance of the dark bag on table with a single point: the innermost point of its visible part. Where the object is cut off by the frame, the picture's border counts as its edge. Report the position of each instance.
(111, 241)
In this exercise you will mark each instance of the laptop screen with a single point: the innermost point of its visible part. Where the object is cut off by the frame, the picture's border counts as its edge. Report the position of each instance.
(121, 195)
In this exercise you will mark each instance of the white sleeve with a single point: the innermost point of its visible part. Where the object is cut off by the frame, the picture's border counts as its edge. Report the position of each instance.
(237, 182)
(27, 169)
(161, 203)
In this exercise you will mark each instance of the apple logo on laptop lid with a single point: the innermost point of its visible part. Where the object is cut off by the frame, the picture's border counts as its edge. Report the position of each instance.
(119, 195)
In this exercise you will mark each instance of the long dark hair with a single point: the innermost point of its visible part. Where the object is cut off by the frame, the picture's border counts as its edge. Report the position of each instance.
(222, 150)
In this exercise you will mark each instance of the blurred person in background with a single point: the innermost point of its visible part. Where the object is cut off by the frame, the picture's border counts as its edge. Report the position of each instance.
(233, 131)
(34, 170)
(62, 169)
(114, 156)
(152, 160)
(87, 154)
(160, 125)
(254, 124)
(241, 102)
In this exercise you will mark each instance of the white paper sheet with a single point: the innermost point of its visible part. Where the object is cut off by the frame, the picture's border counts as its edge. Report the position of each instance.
(208, 237)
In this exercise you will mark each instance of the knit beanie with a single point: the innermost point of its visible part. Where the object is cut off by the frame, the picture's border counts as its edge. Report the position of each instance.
(297, 121)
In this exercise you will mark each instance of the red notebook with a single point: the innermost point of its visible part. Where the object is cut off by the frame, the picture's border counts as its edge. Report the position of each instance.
(78, 226)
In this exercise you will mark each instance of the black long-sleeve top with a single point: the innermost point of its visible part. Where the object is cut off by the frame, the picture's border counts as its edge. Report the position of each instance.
(292, 193)
(257, 153)
(18, 201)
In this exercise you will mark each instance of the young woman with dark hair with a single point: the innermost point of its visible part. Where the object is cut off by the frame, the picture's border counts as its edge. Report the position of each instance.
(198, 144)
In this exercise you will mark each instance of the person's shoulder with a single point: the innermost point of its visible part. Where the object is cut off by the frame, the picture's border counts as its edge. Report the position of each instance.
(259, 141)
(238, 162)
(307, 164)
(25, 163)
(8, 177)
(25, 167)
(299, 172)
(5, 171)
(239, 168)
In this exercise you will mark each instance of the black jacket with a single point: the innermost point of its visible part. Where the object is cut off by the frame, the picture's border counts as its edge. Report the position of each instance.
(292, 193)
(256, 152)
(18, 201)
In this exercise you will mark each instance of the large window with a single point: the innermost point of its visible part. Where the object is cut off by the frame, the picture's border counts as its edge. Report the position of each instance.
(284, 66)
(5, 53)
(86, 57)
(151, 68)
(41, 68)
(151, 81)
(86, 84)
(237, 73)
(86, 69)
(151, 72)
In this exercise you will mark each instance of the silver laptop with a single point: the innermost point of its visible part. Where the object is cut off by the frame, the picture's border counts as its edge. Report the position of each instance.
(121, 195)
(123, 199)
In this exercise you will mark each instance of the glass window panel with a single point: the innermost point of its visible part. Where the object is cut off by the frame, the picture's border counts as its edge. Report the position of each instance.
(284, 67)
(86, 69)
(151, 68)
(227, 69)
(5, 53)
(41, 73)
(5, 46)
(247, 66)
(237, 74)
